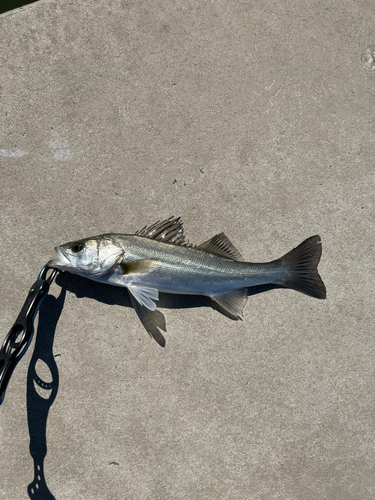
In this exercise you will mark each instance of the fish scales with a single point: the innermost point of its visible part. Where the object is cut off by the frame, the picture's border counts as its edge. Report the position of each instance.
(193, 271)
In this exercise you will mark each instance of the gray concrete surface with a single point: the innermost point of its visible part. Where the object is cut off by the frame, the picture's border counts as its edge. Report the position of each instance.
(252, 118)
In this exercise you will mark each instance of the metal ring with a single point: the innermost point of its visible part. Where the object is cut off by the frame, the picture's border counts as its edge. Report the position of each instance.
(43, 274)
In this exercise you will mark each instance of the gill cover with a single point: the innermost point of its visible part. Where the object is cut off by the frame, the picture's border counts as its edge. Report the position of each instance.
(91, 257)
(109, 256)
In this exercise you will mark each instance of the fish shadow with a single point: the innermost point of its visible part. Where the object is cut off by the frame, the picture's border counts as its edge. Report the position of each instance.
(153, 321)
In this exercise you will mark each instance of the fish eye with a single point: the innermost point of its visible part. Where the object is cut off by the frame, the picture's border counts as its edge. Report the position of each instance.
(77, 247)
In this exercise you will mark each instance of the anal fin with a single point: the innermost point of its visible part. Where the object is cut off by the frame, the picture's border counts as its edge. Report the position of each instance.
(232, 302)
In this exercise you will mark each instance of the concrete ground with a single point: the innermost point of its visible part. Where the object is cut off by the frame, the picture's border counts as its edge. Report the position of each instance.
(252, 118)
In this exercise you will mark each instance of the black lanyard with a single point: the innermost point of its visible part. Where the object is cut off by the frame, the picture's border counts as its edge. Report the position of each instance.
(19, 337)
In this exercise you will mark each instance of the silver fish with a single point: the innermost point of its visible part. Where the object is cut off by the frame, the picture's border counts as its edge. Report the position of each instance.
(158, 258)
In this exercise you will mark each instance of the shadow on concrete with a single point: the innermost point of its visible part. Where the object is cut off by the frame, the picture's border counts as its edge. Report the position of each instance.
(153, 321)
(41, 393)
(7, 5)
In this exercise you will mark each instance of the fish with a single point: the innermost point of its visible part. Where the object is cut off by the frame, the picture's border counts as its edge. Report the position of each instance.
(158, 258)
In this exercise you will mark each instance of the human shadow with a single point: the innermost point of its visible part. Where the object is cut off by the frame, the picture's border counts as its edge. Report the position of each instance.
(153, 321)
(40, 393)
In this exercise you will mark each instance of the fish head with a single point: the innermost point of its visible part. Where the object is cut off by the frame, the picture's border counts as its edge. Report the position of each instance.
(89, 257)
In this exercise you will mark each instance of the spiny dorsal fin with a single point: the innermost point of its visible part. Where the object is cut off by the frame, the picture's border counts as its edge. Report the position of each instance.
(232, 302)
(168, 231)
(221, 245)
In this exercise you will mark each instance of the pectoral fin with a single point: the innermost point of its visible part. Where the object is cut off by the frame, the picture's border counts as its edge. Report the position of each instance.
(138, 266)
(232, 302)
(144, 295)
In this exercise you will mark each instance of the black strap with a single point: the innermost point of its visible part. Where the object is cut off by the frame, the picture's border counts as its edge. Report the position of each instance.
(19, 337)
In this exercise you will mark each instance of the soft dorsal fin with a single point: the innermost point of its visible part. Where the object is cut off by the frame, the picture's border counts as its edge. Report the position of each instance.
(232, 302)
(221, 245)
(168, 231)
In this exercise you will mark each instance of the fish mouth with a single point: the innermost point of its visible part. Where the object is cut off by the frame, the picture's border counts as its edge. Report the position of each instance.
(62, 262)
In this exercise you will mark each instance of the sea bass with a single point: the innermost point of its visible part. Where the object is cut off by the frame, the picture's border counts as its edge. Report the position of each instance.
(158, 258)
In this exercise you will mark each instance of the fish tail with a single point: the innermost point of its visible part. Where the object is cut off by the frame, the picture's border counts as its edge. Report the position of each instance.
(303, 274)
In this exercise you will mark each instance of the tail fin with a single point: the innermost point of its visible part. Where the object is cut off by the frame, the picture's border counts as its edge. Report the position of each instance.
(302, 262)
